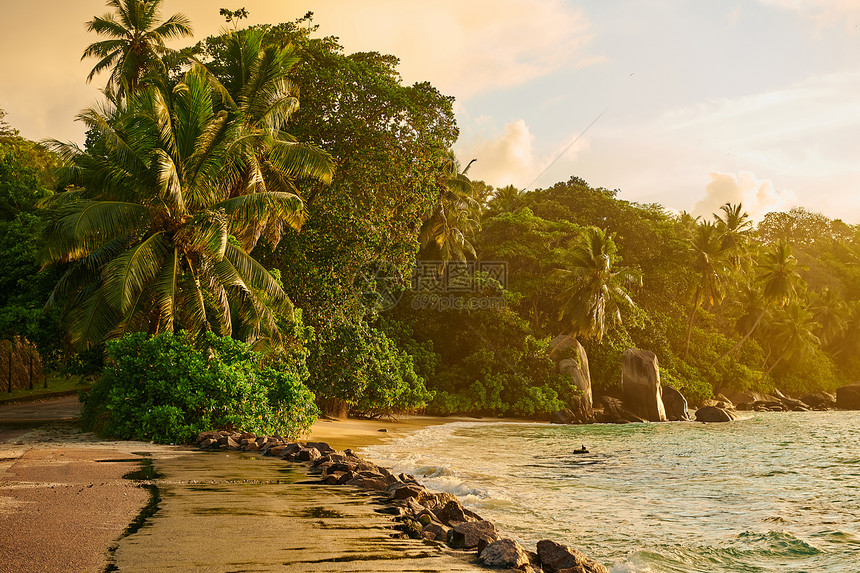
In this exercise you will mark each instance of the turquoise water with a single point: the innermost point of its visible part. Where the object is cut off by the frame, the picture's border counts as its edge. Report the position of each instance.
(772, 492)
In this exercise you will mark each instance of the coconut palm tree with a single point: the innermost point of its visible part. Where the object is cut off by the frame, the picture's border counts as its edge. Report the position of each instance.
(448, 231)
(779, 282)
(711, 270)
(255, 88)
(793, 333)
(505, 200)
(149, 227)
(594, 290)
(735, 228)
(830, 312)
(135, 41)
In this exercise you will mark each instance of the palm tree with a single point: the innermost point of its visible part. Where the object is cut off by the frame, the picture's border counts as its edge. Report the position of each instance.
(793, 333)
(830, 312)
(710, 267)
(594, 290)
(505, 200)
(257, 91)
(135, 41)
(735, 228)
(149, 228)
(779, 281)
(448, 231)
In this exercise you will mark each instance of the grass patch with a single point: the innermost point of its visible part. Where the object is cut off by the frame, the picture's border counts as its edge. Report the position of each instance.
(53, 383)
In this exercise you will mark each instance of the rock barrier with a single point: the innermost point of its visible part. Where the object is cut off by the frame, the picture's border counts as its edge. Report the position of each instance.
(418, 512)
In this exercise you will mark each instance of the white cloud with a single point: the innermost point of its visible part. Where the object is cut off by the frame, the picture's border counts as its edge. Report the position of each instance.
(466, 48)
(758, 196)
(510, 157)
(823, 13)
(812, 105)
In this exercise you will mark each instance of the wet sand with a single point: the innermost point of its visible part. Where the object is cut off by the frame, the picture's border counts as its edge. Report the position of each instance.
(64, 505)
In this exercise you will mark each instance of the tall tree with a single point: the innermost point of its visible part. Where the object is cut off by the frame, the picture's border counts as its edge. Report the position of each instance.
(455, 219)
(710, 267)
(735, 228)
(779, 281)
(793, 333)
(595, 289)
(135, 41)
(148, 228)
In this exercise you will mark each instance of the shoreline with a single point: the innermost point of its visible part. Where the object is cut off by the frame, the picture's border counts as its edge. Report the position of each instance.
(64, 502)
(55, 462)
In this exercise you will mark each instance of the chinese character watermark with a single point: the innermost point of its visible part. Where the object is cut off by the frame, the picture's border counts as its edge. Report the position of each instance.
(470, 285)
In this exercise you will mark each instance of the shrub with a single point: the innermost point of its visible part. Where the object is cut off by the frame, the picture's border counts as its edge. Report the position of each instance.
(168, 388)
(362, 366)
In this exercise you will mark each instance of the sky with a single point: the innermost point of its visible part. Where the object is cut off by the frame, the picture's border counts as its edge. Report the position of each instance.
(686, 103)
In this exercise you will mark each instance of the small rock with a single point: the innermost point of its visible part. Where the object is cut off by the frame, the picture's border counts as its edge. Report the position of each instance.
(409, 491)
(437, 530)
(412, 528)
(713, 414)
(321, 447)
(467, 535)
(504, 554)
(307, 454)
(378, 483)
(453, 513)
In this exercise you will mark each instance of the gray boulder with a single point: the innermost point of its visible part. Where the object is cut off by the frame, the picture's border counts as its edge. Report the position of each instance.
(675, 405)
(820, 400)
(614, 412)
(640, 383)
(713, 414)
(848, 397)
(564, 416)
(577, 369)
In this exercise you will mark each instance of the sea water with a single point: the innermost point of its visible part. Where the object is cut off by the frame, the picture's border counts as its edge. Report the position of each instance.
(771, 492)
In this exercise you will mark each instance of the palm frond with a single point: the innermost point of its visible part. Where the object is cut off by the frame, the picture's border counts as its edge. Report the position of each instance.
(126, 276)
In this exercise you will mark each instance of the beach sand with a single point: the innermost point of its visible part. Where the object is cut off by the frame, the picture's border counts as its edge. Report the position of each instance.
(64, 503)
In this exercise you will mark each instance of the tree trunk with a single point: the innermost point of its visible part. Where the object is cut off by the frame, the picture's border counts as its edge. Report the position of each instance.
(690, 329)
(10, 366)
(742, 340)
(772, 366)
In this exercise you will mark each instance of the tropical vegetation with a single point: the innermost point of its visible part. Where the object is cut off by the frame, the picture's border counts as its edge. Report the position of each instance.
(261, 220)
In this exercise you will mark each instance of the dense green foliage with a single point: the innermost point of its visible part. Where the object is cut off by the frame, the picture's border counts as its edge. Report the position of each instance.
(169, 387)
(25, 179)
(180, 181)
(363, 367)
(264, 179)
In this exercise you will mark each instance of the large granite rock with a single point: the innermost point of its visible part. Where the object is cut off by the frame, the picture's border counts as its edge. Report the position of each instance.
(848, 397)
(820, 400)
(640, 383)
(713, 414)
(614, 412)
(577, 369)
(675, 405)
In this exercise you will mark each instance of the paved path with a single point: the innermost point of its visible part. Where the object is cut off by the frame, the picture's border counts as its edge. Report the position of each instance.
(17, 419)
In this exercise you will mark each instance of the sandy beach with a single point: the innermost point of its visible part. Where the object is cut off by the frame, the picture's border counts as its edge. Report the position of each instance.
(64, 502)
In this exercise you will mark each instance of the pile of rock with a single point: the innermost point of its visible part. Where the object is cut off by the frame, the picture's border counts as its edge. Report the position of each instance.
(420, 514)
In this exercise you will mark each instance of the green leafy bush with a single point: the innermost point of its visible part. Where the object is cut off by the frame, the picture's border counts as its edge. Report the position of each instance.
(168, 388)
(362, 366)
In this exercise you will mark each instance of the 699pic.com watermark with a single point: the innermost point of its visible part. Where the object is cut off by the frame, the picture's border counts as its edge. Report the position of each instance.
(433, 285)
(458, 286)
